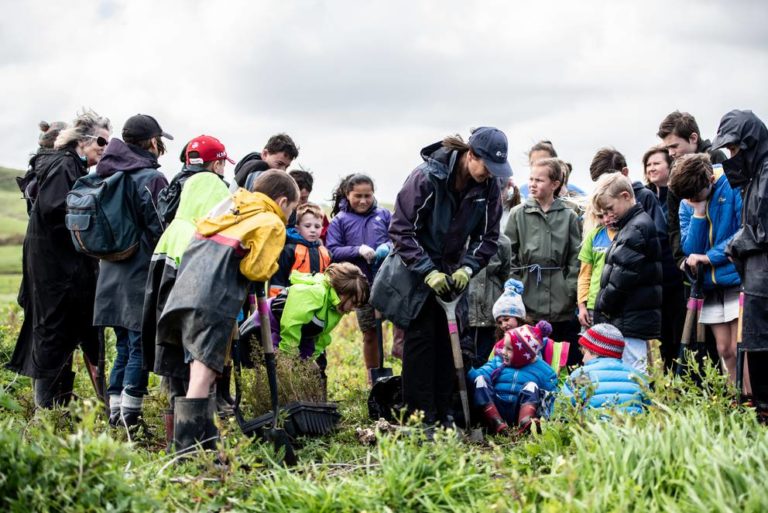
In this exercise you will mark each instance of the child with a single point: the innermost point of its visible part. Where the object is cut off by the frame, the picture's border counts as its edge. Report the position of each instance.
(605, 381)
(546, 236)
(200, 192)
(358, 234)
(592, 256)
(303, 250)
(630, 284)
(509, 309)
(710, 215)
(307, 311)
(239, 242)
(306, 181)
(510, 388)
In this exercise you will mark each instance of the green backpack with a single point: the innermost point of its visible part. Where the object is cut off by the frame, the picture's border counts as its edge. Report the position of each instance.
(101, 218)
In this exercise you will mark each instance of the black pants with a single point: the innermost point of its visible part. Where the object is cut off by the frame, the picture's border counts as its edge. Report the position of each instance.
(672, 320)
(568, 331)
(428, 363)
(483, 340)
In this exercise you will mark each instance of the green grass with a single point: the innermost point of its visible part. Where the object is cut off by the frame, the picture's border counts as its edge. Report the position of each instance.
(693, 451)
(13, 212)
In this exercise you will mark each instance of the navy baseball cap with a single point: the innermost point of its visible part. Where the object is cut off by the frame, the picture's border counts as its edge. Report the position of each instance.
(142, 127)
(490, 144)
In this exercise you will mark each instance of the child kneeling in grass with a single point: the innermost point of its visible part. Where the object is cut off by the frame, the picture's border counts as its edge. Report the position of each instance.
(605, 381)
(239, 242)
(510, 388)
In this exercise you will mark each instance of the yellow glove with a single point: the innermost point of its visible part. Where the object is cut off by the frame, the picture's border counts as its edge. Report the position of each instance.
(461, 278)
(437, 281)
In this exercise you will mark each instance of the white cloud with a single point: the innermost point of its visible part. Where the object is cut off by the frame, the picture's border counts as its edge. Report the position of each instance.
(362, 86)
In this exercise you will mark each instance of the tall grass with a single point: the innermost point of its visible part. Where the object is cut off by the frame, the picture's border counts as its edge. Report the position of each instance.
(694, 450)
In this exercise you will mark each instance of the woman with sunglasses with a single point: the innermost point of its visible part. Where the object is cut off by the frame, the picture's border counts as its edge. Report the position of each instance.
(58, 285)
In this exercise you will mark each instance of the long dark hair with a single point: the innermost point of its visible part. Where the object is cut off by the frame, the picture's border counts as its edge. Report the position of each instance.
(345, 186)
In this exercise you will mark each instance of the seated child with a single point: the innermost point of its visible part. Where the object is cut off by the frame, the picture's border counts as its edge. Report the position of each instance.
(605, 381)
(509, 312)
(303, 252)
(238, 242)
(510, 387)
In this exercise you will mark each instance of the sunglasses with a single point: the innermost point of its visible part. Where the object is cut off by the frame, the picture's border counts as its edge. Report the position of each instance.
(100, 141)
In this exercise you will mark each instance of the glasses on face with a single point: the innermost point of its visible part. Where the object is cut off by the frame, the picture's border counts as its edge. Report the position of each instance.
(100, 141)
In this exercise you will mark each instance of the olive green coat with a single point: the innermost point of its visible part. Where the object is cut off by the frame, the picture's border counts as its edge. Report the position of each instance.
(545, 257)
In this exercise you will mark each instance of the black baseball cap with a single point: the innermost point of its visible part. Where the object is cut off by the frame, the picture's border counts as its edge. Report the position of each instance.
(142, 127)
(490, 144)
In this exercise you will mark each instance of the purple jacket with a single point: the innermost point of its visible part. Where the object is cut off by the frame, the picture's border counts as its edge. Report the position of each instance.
(435, 228)
(350, 230)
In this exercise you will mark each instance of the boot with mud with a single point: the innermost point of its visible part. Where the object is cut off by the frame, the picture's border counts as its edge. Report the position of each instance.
(193, 424)
(527, 418)
(225, 403)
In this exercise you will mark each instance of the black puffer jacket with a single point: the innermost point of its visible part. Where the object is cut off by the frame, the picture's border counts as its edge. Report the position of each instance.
(631, 283)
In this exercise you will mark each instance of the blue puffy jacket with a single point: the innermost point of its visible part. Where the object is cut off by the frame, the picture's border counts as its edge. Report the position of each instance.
(608, 382)
(507, 382)
(712, 234)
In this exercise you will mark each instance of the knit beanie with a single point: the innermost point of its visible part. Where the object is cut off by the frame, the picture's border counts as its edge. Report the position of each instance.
(603, 340)
(526, 342)
(510, 302)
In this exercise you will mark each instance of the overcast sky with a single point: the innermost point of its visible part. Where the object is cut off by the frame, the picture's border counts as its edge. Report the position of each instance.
(363, 86)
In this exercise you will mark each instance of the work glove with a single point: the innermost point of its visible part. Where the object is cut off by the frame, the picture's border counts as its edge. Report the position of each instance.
(367, 253)
(381, 252)
(461, 278)
(438, 282)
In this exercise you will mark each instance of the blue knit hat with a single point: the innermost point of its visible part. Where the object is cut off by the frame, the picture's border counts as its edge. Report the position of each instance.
(510, 302)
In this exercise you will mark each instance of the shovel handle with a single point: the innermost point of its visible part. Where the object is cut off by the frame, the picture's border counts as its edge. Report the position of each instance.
(263, 308)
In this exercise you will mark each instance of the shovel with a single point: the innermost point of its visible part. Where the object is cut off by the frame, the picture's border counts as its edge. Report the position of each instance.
(740, 350)
(380, 372)
(692, 314)
(448, 302)
(279, 438)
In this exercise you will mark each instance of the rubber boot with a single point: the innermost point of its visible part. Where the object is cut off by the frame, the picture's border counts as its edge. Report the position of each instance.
(493, 418)
(526, 417)
(45, 390)
(225, 404)
(168, 421)
(130, 412)
(193, 424)
(114, 409)
(65, 388)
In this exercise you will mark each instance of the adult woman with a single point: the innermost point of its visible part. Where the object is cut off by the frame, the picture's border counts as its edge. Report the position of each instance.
(58, 284)
(445, 229)
(656, 165)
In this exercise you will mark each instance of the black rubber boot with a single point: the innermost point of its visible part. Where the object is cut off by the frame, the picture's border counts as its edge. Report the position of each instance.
(225, 403)
(193, 424)
(130, 413)
(45, 391)
(65, 389)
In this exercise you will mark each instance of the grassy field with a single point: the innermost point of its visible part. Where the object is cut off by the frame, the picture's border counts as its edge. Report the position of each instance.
(693, 451)
(13, 225)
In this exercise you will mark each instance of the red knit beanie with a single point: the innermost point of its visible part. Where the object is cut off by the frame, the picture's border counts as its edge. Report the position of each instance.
(603, 340)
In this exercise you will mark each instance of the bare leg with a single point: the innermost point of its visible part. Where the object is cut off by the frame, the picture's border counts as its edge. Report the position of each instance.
(725, 338)
(200, 380)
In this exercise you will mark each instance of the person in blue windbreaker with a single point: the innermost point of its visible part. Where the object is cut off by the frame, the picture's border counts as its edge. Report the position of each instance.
(605, 381)
(710, 215)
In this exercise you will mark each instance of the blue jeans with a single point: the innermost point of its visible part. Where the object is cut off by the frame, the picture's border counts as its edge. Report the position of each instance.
(127, 373)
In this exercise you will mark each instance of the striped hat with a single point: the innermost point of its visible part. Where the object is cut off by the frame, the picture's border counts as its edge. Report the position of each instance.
(603, 340)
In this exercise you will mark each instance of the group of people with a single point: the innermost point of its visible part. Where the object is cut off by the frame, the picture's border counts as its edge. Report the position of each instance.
(603, 273)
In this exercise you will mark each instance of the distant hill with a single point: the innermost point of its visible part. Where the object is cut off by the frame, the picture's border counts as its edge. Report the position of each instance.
(13, 211)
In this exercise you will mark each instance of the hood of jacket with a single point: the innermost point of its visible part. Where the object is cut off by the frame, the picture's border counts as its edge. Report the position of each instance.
(442, 160)
(120, 156)
(745, 130)
(241, 205)
(298, 278)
